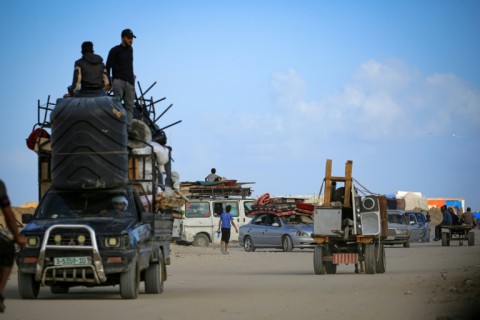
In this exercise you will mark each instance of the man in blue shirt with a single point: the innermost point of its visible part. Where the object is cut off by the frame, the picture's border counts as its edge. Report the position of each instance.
(226, 219)
(447, 220)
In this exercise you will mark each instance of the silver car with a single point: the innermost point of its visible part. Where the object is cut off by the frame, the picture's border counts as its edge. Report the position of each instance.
(420, 228)
(271, 231)
(398, 229)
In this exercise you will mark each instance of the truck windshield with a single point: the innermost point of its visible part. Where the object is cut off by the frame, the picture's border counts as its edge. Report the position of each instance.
(77, 204)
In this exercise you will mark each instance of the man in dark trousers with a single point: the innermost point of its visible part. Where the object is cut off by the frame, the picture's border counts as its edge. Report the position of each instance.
(89, 75)
(7, 249)
(120, 62)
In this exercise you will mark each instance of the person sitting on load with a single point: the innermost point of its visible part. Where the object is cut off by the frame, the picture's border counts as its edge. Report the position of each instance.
(213, 176)
(89, 75)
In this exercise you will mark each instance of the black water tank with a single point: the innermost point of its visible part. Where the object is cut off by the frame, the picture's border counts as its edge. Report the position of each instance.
(89, 143)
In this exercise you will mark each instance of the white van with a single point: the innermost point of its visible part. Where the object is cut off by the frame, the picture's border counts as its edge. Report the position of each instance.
(200, 224)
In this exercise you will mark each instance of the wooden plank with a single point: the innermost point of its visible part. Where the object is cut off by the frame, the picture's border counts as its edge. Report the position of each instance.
(348, 183)
(328, 184)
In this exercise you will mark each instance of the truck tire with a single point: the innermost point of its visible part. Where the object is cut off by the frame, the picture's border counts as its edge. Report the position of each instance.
(287, 244)
(201, 240)
(445, 239)
(154, 275)
(369, 256)
(248, 244)
(28, 288)
(129, 282)
(330, 267)
(471, 238)
(318, 265)
(59, 289)
(380, 261)
(406, 244)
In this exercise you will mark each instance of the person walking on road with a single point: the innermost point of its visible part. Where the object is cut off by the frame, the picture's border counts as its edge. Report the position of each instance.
(120, 62)
(226, 219)
(447, 220)
(7, 249)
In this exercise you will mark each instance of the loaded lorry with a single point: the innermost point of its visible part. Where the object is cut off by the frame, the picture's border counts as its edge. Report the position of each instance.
(96, 223)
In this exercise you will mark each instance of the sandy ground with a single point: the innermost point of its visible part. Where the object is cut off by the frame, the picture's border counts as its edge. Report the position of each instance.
(426, 281)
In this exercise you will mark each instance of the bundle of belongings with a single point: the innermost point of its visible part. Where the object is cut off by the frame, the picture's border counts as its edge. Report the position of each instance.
(280, 206)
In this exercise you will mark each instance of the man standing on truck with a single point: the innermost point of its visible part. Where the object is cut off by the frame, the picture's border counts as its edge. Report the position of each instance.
(226, 219)
(7, 249)
(89, 75)
(120, 61)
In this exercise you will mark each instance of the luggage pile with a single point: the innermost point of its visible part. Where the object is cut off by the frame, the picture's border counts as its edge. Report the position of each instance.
(281, 206)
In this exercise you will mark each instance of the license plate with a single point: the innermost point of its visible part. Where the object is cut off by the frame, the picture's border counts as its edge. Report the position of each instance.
(72, 261)
(390, 237)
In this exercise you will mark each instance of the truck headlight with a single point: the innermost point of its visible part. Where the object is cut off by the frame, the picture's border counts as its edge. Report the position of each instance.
(81, 239)
(32, 242)
(112, 242)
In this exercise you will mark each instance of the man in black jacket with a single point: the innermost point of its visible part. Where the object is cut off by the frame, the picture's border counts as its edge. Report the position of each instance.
(120, 61)
(89, 75)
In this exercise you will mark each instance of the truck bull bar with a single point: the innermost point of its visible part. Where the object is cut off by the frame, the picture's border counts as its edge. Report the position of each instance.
(93, 273)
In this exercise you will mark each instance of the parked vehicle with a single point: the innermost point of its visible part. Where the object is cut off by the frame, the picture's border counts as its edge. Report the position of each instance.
(398, 228)
(418, 221)
(268, 230)
(200, 225)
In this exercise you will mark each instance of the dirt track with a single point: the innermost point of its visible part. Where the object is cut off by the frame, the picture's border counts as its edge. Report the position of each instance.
(426, 281)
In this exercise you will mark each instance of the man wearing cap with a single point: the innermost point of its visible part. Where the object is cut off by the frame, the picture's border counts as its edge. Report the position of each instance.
(89, 75)
(120, 62)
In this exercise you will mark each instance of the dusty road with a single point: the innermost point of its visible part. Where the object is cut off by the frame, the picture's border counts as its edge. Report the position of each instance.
(426, 281)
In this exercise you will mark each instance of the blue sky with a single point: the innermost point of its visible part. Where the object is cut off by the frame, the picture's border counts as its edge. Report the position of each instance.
(268, 90)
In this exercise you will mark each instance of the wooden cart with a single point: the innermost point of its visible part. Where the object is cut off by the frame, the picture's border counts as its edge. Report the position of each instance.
(458, 233)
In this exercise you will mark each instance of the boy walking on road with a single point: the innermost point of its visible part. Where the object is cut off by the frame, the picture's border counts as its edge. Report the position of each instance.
(226, 219)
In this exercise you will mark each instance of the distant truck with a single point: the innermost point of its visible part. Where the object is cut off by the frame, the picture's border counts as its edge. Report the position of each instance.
(202, 212)
(80, 233)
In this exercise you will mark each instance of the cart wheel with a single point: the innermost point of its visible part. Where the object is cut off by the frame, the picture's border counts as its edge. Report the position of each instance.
(318, 265)
(471, 238)
(445, 239)
(369, 256)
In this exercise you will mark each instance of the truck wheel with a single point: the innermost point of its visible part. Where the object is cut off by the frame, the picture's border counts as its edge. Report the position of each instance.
(471, 238)
(154, 276)
(406, 244)
(318, 265)
(330, 267)
(201, 240)
(380, 261)
(445, 239)
(248, 244)
(287, 244)
(59, 289)
(129, 282)
(369, 256)
(28, 288)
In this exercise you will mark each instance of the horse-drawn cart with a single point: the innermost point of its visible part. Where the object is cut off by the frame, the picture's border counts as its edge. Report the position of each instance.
(458, 233)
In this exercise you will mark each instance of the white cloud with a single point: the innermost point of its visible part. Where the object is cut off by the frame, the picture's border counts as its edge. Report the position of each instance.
(382, 100)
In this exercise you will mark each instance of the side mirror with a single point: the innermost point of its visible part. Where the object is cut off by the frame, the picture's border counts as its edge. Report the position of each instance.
(27, 217)
(275, 224)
